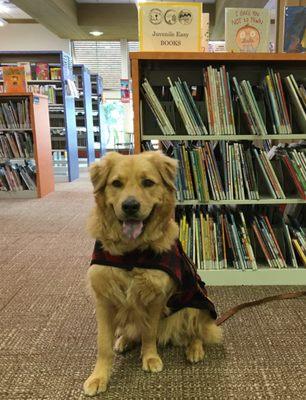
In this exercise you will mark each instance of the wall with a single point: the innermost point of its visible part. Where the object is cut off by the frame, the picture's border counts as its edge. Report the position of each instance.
(30, 37)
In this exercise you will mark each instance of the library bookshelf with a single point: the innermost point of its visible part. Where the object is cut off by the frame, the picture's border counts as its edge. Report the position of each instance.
(61, 111)
(98, 113)
(40, 131)
(157, 67)
(84, 113)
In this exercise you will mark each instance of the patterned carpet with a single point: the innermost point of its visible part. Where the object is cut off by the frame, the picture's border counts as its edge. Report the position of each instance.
(48, 332)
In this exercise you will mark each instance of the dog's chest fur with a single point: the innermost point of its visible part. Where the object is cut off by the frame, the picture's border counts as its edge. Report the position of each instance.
(131, 292)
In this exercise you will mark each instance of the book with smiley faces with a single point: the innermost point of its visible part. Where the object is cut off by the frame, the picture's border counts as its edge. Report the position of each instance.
(247, 30)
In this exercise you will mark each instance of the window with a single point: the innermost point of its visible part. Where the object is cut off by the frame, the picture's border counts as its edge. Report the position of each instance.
(133, 46)
(103, 58)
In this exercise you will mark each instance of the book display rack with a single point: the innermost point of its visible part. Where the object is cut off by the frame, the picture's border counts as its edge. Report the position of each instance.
(50, 73)
(25, 146)
(236, 123)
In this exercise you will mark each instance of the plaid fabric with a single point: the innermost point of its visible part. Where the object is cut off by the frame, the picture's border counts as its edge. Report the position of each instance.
(191, 289)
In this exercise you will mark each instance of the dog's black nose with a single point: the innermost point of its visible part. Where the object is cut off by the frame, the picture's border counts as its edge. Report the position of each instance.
(130, 206)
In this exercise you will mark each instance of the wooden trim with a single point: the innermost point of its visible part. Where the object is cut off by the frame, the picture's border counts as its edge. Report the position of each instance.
(147, 55)
(260, 276)
(136, 100)
(21, 21)
(42, 140)
(288, 136)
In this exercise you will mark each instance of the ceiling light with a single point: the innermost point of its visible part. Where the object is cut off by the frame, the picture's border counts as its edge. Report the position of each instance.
(2, 22)
(96, 33)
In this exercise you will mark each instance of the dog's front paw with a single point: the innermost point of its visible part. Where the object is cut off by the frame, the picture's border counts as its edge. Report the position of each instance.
(152, 364)
(95, 384)
(195, 351)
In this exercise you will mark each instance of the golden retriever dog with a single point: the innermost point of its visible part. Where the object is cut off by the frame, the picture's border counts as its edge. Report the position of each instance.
(134, 210)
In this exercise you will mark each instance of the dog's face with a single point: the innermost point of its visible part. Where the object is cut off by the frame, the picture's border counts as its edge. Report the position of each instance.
(134, 189)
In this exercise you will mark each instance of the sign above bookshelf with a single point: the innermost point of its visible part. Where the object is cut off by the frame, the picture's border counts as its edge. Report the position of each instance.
(169, 26)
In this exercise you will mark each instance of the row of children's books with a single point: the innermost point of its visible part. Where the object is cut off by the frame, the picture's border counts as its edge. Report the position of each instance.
(17, 176)
(47, 90)
(236, 171)
(223, 238)
(16, 145)
(266, 104)
(14, 114)
(34, 71)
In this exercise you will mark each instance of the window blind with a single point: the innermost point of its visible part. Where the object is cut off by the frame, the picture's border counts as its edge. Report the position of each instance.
(103, 58)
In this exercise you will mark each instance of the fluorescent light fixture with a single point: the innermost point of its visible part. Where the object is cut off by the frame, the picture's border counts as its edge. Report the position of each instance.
(2, 22)
(96, 33)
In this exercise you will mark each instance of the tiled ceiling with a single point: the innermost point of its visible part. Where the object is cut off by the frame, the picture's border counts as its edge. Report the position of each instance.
(8, 10)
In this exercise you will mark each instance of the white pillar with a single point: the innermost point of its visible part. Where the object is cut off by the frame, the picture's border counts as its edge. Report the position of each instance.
(125, 74)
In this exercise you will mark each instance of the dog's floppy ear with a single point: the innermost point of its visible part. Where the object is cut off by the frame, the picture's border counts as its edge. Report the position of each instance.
(100, 170)
(166, 166)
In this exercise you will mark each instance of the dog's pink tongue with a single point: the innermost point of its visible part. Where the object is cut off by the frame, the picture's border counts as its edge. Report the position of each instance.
(132, 229)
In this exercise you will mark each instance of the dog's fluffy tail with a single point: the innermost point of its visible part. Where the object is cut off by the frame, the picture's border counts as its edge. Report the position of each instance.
(186, 324)
(212, 334)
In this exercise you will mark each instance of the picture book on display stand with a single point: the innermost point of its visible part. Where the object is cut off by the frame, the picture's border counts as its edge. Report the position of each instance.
(247, 29)
(295, 29)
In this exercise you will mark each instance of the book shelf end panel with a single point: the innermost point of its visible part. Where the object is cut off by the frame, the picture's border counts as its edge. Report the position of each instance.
(42, 142)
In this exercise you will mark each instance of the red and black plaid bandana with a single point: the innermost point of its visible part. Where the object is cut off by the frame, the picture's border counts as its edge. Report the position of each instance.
(191, 291)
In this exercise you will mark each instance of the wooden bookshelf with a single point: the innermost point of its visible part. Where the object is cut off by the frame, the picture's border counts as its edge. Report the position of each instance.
(84, 119)
(65, 119)
(157, 67)
(216, 57)
(40, 129)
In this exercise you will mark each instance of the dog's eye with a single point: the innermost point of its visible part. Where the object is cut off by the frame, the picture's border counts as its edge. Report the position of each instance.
(117, 184)
(148, 183)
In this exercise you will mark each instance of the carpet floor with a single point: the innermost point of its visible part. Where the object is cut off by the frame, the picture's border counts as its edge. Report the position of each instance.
(48, 330)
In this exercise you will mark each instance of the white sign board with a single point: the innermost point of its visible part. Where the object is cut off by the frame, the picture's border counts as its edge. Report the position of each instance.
(170, 26)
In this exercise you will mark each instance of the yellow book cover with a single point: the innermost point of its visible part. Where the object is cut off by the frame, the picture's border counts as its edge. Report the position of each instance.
(187, 170)
(184, 236)
(207, 241)
(299, 250)
(181, 231)
(202, 224)
(223, 240)
(169, 26)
